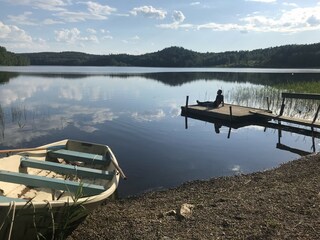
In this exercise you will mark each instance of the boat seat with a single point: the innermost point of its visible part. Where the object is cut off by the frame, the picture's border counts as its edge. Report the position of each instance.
(52, 183)
(74, 156)
(4, 199)
(66, 168)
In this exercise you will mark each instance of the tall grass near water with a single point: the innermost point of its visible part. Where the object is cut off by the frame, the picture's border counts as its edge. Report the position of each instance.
(265, 97)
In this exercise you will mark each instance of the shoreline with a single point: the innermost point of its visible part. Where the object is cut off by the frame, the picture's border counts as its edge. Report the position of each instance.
(280, 203)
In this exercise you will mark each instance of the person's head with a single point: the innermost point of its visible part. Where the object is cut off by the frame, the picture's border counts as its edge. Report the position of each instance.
(219, 92)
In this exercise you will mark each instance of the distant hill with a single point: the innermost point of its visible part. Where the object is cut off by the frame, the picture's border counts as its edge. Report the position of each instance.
(288, 56)
(12, 59)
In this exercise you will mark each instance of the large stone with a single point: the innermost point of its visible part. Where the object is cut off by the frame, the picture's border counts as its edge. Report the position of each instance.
(185, 210)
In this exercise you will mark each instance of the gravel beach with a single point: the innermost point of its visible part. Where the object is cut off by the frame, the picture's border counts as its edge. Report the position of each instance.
(281, 203)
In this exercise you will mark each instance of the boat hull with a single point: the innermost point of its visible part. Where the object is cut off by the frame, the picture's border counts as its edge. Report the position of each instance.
(30, 219)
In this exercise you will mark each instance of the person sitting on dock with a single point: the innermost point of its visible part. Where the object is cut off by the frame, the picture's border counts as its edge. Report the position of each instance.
(219, 100)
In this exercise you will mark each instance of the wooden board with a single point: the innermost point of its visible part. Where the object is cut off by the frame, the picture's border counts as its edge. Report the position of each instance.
(238, 113)
(304, 122)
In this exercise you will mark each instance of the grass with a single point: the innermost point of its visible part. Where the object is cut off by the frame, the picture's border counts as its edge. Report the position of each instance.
(300, 87)
(258, 97)
(47, 222)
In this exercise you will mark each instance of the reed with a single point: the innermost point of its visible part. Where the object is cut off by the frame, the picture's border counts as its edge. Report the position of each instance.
(256, 97)
(47, 222)
(302, 87)
(2, 122)
(19, 115)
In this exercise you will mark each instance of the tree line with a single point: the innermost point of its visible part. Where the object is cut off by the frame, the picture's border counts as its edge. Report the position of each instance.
(288, 56)
(12, 59)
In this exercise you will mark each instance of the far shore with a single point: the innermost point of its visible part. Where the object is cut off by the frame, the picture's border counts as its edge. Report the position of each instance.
(281, 203)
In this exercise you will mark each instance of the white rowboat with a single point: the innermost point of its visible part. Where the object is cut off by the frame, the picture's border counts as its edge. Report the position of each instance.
(47, 191)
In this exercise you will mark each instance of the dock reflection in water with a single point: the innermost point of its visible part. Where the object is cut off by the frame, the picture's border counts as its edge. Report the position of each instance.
(280, 127)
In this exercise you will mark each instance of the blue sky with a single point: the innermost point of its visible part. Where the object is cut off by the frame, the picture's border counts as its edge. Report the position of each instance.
(142, 26)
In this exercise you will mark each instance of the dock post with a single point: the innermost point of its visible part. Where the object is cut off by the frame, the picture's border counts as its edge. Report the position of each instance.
(268, 104)
(316, 115)
(229, 132)
(313, 142)
(186, 118)
(282, 107)
(187, 101)
(279, 132)
(230, 109)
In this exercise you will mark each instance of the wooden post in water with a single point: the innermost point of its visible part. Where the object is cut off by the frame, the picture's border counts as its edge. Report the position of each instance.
(316, 115)
(268, 104)
(186, 118)
(229, 132)
(279, 132)
(186, 122)
(313, 141)
(187, 102)
(230, 109)
(282, 107)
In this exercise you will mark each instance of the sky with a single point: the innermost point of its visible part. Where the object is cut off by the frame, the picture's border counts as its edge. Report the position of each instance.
(144, 26)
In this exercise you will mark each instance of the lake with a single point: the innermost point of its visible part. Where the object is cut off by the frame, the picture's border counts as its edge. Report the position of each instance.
(136, 111)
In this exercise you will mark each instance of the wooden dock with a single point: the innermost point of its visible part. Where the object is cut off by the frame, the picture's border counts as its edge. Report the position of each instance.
(235, 116)
(240, 114)
(229, 112)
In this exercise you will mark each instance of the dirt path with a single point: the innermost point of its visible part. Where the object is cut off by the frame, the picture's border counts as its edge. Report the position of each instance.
(283, 203)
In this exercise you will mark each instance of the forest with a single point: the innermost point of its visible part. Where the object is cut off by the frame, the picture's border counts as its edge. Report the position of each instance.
(288, 56)
(12, 59)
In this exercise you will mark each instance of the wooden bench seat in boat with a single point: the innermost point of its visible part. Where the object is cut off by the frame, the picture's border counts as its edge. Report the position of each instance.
(74, 156)
(4, 199)
(52, 183)
(66, 169)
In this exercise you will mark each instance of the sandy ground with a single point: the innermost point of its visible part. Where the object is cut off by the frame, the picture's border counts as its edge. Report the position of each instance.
(282, 203)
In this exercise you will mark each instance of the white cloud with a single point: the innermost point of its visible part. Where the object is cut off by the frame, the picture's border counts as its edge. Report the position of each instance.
(194, 3)
(79, 16)
(73, 35)
(135, 38)
(95, 11)
(149, 116)
(91, 30)
(104, 31)
(178, 19)
(49, 21)
(263, 1)
(50, 5)
(98, 9)
(178, 16)
(221, 27)
(103, 115)
(295, 20)
(91, 38)
(149, 11)
(67, 35)
(23, 19)
(11, 33)
(107, 37)
(290, 4)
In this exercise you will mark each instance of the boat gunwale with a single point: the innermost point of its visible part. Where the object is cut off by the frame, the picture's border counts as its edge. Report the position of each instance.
(87, 200)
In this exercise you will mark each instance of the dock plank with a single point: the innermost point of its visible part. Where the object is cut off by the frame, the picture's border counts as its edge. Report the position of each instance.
(304, 122)
(239, 113)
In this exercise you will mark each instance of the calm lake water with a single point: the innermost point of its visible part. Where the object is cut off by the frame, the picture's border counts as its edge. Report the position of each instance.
(136, 111)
